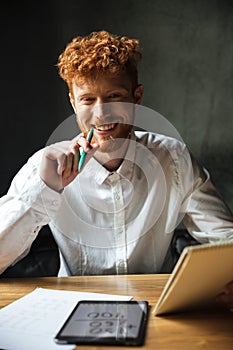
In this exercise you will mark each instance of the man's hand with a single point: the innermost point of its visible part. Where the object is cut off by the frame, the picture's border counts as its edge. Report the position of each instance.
(59, 166)
(226, 297)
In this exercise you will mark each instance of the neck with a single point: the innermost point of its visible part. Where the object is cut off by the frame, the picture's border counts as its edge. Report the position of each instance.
(112, 160)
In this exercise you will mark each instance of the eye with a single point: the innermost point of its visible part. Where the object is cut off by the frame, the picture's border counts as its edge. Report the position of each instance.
(114, 95)
(87, 100)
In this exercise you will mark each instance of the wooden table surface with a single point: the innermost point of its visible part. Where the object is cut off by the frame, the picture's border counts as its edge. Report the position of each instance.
(209, 330)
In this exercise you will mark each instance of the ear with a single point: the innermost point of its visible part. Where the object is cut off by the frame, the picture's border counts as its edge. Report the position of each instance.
(138, 93)
(72, 102)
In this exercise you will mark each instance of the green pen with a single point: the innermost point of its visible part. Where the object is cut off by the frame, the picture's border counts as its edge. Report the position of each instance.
(83, 155)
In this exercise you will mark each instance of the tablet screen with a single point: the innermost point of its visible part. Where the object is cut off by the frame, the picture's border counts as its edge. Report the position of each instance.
(105, 322)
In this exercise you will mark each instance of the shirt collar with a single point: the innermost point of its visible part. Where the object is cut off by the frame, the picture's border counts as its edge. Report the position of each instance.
(94, 169)
(126, 167)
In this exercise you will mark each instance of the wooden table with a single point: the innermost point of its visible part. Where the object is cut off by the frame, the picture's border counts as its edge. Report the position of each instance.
(209, 330)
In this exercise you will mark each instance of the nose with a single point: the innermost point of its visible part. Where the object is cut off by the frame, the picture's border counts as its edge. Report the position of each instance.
(101, 110)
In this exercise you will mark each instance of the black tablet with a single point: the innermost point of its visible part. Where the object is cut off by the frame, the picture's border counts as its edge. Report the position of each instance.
(105, 323)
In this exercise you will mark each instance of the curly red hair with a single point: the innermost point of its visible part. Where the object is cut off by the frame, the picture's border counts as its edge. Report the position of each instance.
(99, 53)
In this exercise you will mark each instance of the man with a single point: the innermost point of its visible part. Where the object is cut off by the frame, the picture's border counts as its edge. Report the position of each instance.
(118, 213)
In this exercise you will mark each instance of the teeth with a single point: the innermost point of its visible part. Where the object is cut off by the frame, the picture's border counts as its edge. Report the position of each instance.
(105, 127)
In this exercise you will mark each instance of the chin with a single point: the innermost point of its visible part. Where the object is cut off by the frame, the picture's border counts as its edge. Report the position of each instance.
(110, 145)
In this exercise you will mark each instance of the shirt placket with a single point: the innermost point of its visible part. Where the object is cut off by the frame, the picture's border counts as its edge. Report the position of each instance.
(119, 225)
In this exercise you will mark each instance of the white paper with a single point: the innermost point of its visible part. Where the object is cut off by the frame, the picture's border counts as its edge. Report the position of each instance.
(32, 322)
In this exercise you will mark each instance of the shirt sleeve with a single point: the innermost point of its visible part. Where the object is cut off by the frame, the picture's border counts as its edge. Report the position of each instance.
(28, 205)
(207, 217)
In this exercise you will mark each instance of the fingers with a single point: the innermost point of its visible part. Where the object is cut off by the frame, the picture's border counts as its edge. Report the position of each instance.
(83, 143)
(60, 161)
(90, 154)
(70, 163)
(67, 155)
(59, 164)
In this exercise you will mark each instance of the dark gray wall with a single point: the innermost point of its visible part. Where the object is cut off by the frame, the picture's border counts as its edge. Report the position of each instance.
(187, 71)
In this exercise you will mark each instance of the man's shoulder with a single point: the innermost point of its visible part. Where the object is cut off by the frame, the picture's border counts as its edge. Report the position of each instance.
(159, 141)
(35, 158)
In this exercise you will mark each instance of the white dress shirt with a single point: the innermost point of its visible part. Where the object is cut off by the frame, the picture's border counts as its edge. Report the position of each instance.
(115, 223)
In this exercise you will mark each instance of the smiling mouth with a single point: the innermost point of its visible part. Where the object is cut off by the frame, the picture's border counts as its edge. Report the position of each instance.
(106, 127)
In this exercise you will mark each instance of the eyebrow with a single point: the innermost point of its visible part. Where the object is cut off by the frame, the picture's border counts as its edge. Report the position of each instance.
(118, 88)
(86, 94)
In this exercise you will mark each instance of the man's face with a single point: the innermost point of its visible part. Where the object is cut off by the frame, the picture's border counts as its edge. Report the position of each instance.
(107, 105)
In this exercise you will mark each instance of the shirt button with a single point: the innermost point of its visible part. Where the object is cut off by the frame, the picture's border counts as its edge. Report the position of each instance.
(121, 263)
(54, 203)
(117, 197)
